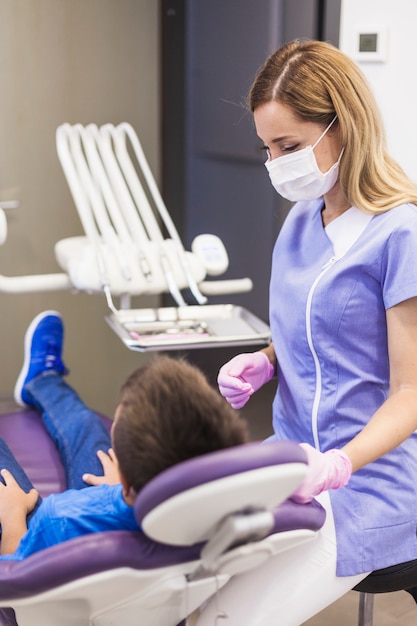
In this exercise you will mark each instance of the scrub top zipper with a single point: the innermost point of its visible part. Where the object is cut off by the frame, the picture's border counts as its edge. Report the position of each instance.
(317, 394)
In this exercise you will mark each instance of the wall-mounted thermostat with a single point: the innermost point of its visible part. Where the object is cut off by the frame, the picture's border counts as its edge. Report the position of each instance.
(371, 44)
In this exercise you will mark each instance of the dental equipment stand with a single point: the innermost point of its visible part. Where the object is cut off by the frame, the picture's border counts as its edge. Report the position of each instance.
(131, 248)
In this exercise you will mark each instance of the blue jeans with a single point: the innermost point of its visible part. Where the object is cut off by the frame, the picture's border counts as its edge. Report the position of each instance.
(77, 431)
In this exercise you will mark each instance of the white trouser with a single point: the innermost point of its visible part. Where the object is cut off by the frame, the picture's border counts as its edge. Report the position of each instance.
(288, 589)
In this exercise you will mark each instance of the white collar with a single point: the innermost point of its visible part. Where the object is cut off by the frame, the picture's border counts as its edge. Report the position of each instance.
(346, 229)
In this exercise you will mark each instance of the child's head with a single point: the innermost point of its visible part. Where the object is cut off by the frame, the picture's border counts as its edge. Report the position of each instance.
(168, 412)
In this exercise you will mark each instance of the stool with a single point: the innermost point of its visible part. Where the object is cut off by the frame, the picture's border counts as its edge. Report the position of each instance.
(401, 577)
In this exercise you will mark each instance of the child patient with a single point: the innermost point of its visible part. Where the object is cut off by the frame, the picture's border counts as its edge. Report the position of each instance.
(167, 413)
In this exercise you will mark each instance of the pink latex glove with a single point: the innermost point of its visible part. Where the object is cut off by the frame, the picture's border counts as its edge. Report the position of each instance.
(326, 470)
(240, 377)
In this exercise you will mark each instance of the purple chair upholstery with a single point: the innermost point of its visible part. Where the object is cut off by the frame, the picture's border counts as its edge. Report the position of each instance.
(102, 552)
(212, 467)
(24, 432)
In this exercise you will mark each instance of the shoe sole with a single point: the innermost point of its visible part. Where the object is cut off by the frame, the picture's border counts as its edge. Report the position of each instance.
(27, 352)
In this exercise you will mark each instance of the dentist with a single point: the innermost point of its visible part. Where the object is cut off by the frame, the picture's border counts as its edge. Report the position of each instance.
(343, 316)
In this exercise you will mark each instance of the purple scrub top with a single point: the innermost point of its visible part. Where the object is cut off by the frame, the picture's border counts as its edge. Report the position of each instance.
(329, 291)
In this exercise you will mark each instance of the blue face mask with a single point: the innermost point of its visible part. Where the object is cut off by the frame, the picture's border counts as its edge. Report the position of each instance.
(297, 176)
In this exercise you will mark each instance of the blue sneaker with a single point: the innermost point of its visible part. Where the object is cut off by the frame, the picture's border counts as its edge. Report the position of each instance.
(43, 351)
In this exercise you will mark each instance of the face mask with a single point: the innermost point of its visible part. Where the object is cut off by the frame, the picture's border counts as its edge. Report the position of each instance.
(296, 176)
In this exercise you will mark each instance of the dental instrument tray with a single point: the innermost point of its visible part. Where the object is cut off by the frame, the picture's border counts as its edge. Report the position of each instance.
(200, 326)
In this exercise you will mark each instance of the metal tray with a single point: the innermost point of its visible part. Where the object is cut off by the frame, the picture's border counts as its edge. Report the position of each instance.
(201, 326)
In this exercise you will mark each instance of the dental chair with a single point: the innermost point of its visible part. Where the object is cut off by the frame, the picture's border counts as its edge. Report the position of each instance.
(204, 521)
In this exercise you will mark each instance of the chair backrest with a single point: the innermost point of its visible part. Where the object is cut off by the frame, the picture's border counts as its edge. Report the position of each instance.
(212, 486)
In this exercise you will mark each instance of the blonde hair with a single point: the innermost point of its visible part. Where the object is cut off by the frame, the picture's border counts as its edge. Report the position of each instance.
(317, 81)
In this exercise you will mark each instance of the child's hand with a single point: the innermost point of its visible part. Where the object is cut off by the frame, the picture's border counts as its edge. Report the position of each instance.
(15, 504)
(110, 468)
(13, 500)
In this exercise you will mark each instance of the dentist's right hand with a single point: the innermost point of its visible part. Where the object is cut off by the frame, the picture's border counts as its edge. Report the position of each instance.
(240, 377)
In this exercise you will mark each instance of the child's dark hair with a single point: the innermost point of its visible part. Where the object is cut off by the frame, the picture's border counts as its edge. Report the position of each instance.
(168, 412)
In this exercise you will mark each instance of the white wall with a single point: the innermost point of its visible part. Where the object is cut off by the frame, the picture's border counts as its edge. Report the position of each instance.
(394, 81)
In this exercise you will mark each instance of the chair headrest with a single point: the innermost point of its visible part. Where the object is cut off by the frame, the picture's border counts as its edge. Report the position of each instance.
(183, 504)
